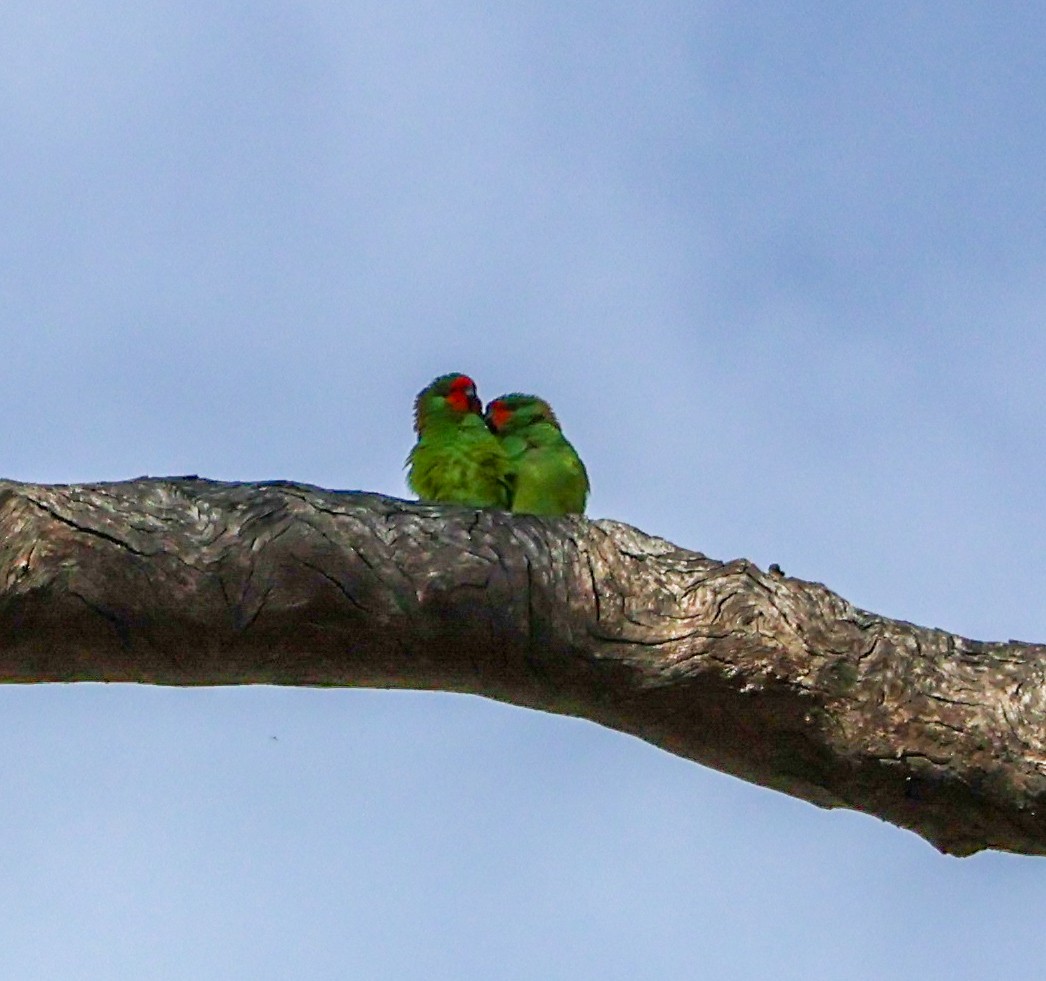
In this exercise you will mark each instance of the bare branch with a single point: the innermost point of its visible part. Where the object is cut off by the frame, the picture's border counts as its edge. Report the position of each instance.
(778, 681)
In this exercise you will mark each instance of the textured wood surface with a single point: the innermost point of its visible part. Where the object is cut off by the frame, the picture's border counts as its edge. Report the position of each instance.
(184, 581)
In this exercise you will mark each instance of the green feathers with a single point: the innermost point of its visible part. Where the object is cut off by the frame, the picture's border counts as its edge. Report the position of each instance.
(456, 459)
(545, 472)
(514, 457)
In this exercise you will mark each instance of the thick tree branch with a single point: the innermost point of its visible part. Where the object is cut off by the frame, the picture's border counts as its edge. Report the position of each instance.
(776, 680)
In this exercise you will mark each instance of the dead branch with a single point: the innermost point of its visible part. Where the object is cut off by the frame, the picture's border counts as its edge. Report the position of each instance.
(779, 681)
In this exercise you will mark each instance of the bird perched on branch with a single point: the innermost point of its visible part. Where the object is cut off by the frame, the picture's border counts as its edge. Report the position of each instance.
(545, 473)
(456, 459)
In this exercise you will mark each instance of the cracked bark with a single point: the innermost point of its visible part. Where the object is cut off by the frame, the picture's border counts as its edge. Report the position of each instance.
(779, 681)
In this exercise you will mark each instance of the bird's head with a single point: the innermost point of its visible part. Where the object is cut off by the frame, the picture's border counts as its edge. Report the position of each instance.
(509, 413)
(455, 393)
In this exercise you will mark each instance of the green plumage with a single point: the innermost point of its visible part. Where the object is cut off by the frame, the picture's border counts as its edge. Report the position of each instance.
(456, 459)
(545, 472)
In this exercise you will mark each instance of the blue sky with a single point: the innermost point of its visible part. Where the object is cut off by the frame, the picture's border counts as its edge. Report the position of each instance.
(779, 268)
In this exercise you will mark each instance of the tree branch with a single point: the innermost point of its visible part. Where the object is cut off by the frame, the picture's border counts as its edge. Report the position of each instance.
(778, 681)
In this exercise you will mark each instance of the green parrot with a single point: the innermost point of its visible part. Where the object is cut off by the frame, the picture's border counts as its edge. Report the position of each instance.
(456, 460)
(546, 474)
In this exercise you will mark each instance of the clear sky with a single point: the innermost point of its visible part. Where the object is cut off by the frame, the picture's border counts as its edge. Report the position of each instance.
(781, 270)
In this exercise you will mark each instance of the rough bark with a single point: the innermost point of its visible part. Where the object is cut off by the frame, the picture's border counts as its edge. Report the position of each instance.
(779, 681)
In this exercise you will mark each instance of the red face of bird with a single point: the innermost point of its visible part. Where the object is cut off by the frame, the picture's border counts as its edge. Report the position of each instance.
(461, 395)
(498, 415)
(455, 391)
(516, 411)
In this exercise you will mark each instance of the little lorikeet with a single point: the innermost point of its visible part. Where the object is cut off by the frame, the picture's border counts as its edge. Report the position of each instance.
(546, 474)
(456, 460)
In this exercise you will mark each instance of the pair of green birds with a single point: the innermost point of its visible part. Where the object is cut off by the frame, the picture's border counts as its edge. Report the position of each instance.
(514, 456)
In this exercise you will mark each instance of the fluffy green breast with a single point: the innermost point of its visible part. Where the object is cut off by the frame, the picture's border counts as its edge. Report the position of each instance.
(547, 476)
(459, 462)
